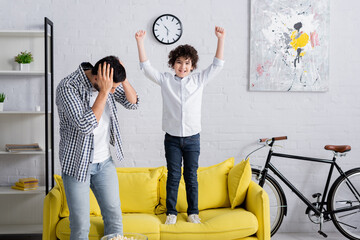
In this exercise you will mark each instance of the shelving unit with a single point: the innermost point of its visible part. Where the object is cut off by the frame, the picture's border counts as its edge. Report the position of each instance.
(22, 33)
(21, 124)
(7, 190)
(25, 229)
(18, 73)
(22, 112)
(22, 153)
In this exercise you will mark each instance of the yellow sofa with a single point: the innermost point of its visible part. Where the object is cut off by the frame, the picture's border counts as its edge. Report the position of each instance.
(231, 206)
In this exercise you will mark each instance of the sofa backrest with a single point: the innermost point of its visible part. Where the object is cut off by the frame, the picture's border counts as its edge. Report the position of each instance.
(213, 190)
(143, 190)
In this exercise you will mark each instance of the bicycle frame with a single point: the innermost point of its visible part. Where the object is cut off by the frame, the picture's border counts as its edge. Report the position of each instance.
(269, 165)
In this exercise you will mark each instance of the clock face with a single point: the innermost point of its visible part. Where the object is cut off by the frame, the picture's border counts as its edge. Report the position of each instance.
(167, 29)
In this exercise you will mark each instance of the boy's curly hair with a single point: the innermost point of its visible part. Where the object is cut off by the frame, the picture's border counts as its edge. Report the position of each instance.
(185, 51)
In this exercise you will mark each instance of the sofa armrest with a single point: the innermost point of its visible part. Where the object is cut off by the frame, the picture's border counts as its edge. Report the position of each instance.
(51, 213)
(257, 202)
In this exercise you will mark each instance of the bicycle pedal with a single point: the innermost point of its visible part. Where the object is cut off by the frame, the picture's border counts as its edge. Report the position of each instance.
(322, 234)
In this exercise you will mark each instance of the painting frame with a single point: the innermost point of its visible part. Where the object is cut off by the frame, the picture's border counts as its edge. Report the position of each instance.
(289, 45)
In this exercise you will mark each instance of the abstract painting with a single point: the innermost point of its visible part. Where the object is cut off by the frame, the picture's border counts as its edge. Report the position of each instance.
(289, 45)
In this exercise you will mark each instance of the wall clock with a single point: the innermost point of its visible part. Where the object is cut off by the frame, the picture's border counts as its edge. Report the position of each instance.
(167, 29)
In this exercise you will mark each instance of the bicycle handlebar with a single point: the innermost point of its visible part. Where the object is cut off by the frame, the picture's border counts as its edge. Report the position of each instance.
(273, 139)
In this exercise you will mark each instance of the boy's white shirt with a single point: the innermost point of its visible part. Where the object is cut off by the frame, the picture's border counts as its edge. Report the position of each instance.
(101, 133)
(182, 98)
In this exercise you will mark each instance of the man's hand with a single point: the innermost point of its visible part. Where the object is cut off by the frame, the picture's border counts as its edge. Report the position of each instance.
(219, 32)
(104, 83)
(140, 35)
(105, 78)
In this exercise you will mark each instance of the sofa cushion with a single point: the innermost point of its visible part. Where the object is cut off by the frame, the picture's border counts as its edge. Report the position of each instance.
(139, 189)
(213, 191)
(64, 211)
(238, 182)
(223, 223)
(147, 224)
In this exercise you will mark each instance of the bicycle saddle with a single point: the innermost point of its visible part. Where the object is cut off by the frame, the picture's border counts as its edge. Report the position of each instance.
(338, 148)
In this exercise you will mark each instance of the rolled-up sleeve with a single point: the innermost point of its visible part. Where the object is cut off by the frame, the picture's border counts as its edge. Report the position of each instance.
(70, 105)
(120, 97)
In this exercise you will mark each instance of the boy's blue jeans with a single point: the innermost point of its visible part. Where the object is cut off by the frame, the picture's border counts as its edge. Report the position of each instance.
(177, 149)
(102, 179)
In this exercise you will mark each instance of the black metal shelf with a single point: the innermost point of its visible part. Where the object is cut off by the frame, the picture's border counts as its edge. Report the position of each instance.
(49, 81)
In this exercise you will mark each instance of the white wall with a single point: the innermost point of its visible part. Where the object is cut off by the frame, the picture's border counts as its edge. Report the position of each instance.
(233, 117)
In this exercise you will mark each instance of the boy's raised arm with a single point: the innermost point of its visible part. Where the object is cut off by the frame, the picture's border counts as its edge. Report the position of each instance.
(150, 72)
(140, 36)
(220, 34)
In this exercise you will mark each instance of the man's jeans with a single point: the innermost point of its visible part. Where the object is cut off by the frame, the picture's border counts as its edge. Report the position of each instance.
(102, 179)
(176, 149)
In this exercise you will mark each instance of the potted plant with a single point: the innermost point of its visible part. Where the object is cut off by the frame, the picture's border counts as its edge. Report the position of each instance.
(24, 59)
(2, 99)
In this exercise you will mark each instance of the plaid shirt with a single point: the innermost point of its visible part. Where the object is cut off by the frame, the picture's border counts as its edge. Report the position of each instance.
(77, 122)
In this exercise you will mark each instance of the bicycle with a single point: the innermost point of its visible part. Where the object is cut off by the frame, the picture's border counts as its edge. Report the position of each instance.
(342, 205)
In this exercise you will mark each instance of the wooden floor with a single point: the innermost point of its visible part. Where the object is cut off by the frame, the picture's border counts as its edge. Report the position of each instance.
(307, 236)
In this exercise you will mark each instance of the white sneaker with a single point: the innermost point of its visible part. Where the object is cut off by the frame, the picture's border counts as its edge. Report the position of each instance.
(171, 219)
(194, 218)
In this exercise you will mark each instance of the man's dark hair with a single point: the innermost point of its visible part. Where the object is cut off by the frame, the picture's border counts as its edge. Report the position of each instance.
(185, 51)
(119, 70)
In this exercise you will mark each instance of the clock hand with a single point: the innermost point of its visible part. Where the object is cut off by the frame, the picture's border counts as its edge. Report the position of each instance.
(167, 31)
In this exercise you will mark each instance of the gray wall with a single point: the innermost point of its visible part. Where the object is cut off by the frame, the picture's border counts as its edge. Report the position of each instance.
(233, 117)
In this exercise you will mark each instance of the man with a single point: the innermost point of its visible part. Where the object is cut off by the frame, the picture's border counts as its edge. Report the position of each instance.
(88, 125)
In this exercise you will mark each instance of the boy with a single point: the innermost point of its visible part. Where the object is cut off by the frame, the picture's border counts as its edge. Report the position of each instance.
(182, 97)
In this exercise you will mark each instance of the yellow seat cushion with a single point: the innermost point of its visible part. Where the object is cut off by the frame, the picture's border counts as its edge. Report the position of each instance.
(222, 223)
(213, 191)
(238, 182)
(139, 189)
(147, 224)
(64, 211)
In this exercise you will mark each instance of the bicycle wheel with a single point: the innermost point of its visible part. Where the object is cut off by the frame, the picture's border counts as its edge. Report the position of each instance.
(344, 195)
(277, 200)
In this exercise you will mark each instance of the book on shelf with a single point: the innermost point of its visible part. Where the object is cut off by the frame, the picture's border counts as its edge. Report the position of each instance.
(26, 184)
(22, 147)
(28, 180)
(23, 189)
